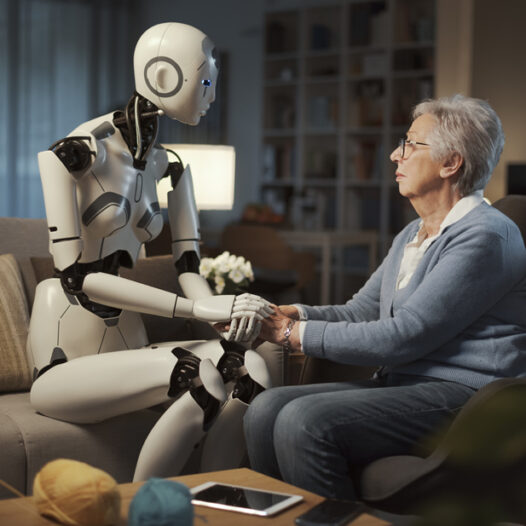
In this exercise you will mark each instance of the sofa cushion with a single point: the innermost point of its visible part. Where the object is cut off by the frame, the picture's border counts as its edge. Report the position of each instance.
(14, 319)
(12, 454)
(30, 440)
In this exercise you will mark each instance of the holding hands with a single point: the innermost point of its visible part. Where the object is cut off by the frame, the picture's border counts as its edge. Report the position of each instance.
(248, 312)
(255, 320)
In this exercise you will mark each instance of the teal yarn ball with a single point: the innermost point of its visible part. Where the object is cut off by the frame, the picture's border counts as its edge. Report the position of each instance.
(161, 502)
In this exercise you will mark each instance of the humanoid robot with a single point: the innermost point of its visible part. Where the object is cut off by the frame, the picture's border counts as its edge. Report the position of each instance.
(87, 342)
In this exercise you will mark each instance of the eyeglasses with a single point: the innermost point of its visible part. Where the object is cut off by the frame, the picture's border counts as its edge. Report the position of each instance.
(402, 145)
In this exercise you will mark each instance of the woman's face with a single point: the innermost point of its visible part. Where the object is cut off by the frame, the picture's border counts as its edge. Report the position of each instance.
(417, 173)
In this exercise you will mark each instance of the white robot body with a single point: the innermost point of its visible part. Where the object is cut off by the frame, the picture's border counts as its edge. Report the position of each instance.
(183, 216)
(116, 213)
(60, 200)
(68, 330)
(86, 341)
(184, 88)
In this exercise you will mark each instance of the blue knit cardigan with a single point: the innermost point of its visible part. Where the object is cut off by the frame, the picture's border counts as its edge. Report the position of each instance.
(462, 317)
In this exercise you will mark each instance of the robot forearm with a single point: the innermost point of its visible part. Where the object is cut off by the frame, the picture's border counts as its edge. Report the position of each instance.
(194, 286)
(122, 293)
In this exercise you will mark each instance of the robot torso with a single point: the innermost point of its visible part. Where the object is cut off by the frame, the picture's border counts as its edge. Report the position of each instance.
(118, 206)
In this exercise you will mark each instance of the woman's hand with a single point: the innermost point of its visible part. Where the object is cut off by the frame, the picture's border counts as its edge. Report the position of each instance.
(290, 311)
(274, 326)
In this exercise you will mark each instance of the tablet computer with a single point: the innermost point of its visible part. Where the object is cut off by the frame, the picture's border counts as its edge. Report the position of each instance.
(242, 499)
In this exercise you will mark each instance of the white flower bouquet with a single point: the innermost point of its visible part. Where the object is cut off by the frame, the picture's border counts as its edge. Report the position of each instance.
(227, 273)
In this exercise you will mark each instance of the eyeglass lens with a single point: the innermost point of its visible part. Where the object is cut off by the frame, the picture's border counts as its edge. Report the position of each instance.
(401, 145)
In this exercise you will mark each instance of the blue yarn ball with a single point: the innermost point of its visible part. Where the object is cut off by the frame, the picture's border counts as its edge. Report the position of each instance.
(161, 502)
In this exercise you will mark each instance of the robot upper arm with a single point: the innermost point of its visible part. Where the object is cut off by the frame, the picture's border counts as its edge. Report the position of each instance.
(184, 221)
(60, 166)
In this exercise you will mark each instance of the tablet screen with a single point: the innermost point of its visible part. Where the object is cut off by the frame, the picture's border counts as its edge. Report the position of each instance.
(239, 498)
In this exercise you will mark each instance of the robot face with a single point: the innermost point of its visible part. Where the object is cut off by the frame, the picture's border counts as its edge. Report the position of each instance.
(176, 68)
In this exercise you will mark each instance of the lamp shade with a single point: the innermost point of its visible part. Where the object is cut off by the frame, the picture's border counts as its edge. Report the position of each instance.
(213, 173)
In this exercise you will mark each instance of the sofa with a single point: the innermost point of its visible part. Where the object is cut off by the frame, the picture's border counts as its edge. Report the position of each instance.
(28, 440)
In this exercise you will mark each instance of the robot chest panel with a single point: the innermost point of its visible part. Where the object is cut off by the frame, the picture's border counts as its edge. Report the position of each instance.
(117, 199)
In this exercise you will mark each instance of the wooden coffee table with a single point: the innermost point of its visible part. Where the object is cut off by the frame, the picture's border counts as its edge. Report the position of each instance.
(21, 511)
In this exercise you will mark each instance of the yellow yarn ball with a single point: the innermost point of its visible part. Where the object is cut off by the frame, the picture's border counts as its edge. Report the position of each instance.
(77, 494)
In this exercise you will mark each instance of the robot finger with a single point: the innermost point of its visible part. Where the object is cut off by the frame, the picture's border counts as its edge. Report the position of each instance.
(232, 331)
(240, 335)
(257, 300)
(247, 313)
(249, 306)
(247, 295)
(253, 329)
(250, 327)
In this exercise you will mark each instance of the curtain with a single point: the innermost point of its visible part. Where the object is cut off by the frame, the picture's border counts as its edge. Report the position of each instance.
(62, 62)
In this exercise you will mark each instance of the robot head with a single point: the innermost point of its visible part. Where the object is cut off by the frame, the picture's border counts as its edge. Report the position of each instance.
(175, 68)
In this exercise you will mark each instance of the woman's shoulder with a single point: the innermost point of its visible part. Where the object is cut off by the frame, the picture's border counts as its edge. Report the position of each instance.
(487, 218)
(487, 226)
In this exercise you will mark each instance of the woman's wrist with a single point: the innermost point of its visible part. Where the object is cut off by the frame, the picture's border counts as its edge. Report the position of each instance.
(291, 336)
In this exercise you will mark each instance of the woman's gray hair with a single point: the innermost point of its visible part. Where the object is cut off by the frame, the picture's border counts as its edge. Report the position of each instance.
(469, 127)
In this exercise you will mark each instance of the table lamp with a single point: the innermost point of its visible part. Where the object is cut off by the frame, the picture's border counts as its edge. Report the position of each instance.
(213, 172)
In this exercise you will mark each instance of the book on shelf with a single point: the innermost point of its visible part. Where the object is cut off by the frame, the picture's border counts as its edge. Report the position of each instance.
(278, 162)
(321, 37)
(320, 164)
(366, 159)
(368, 24)
(366, 103)
(282, 111)
(313, 210)
(322, 111)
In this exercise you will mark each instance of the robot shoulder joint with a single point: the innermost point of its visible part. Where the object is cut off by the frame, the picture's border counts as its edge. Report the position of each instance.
(74, 152)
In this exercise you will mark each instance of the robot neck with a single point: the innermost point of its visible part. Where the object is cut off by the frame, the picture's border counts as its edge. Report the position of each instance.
(138, 124)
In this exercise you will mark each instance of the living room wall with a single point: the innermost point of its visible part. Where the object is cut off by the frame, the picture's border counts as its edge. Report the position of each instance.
(481, 53)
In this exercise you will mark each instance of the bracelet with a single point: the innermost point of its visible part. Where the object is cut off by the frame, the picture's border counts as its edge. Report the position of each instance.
(287, 333)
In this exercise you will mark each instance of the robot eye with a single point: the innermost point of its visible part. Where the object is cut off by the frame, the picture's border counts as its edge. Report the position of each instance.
(206, 82)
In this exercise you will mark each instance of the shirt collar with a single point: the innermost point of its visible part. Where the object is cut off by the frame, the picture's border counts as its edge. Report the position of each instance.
(459, 210)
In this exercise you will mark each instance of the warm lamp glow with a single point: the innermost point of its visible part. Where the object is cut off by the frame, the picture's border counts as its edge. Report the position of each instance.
(213, 172)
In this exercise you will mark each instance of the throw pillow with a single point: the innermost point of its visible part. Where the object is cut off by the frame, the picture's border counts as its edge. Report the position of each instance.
(14, 319)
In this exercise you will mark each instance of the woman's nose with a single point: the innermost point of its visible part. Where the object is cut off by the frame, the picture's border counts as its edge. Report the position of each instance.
(395, 155)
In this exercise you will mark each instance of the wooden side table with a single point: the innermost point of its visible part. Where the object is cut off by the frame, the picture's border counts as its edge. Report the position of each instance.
(21, 512)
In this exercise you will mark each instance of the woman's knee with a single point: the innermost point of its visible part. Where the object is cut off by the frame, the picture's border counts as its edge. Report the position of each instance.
(297, 423)
(263, 409)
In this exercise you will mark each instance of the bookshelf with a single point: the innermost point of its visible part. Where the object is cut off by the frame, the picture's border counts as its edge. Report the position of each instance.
(340, 80)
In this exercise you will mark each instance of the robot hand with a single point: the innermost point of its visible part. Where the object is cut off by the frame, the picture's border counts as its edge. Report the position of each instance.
(214, 308)
(247, 313)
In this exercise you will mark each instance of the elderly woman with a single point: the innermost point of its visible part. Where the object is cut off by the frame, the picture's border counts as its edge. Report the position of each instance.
(442, 316)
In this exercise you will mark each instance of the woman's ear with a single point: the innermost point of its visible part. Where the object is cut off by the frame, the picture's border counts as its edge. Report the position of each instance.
(451, 166)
